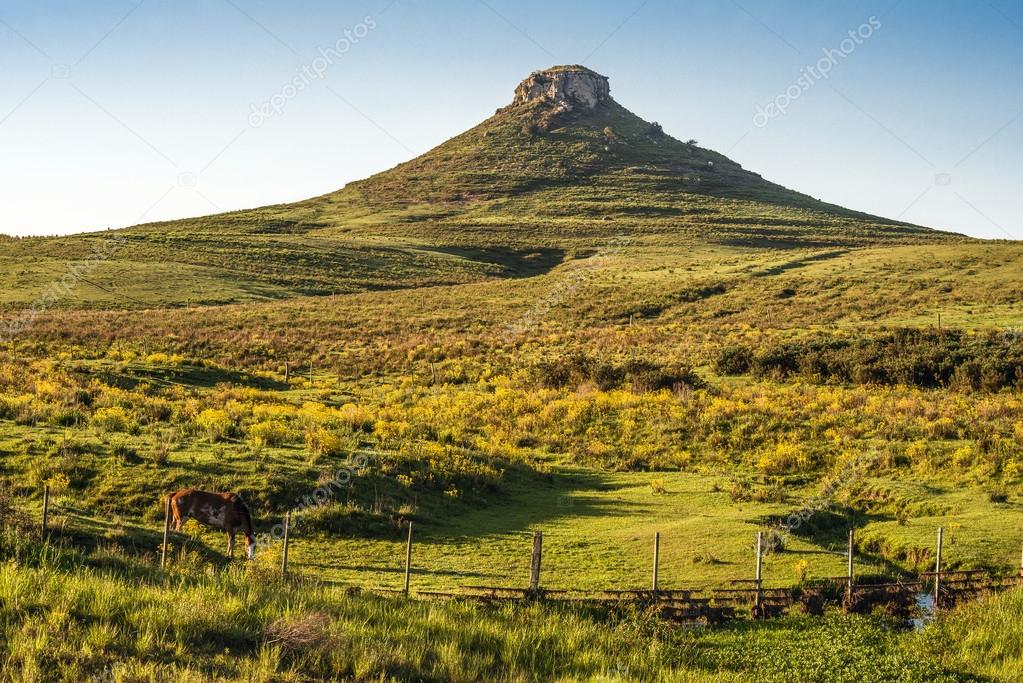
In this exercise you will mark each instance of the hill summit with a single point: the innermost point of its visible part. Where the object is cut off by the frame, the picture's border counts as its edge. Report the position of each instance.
(564, 153)
(564, 88)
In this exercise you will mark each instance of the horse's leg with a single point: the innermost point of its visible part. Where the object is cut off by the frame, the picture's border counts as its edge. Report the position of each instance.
(230, 542)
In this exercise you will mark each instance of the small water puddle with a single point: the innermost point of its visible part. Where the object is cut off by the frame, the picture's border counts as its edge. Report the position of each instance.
(924, 611)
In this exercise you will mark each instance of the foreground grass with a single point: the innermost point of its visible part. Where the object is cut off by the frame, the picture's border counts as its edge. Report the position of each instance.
(64, 619)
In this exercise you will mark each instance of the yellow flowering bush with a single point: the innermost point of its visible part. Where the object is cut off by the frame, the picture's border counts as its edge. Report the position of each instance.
(214, 424)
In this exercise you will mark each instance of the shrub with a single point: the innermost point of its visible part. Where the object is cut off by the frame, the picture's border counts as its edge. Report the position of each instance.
(160, 455)
(923, 358)
(67, 417)
(775, 493)
(356, 417)
(215, 424)
(802, 568)
(323, 442)
(270, 433)
(562, 371)
(577, 367)
(733, 360)
(646, 376)
(741, 492)
(998, 494)
(124, 451)
(784, 458)
(114, 419)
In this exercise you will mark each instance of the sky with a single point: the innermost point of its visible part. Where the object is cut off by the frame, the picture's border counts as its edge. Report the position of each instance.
(117, 112)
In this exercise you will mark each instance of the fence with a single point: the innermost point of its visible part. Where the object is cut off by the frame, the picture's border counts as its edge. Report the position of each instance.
(739, 598)
(750, 597)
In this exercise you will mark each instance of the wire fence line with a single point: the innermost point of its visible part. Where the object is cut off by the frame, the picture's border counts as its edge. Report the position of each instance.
(750, 595)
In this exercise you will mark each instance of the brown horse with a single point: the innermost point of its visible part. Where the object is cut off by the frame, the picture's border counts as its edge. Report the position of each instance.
(219, 510)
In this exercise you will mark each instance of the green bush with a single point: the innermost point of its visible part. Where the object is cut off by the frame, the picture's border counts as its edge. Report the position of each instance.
(921, 358)
(733, 360)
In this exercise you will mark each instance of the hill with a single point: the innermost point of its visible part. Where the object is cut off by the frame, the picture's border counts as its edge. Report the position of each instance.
(566, 156)
(561, 171)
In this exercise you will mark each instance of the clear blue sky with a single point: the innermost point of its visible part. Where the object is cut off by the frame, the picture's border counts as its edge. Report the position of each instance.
(114, 110)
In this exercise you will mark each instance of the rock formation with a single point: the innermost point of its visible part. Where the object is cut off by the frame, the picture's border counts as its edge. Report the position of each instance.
(565, 87)
(561, 89)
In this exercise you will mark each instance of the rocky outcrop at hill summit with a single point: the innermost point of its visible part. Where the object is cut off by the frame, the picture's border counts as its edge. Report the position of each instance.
(564, 88)
(561, 90)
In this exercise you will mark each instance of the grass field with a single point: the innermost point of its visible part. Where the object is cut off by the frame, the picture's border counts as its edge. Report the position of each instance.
(488, 410)
(707, 539)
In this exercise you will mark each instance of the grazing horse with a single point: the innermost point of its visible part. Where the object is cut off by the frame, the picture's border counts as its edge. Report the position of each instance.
(220, 510)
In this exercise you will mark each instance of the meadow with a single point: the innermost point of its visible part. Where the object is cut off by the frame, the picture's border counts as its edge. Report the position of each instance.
(480, 432)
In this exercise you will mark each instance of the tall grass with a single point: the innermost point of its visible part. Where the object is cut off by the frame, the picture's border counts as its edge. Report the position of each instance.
(61, 622)
(985, 636)
(63, 619)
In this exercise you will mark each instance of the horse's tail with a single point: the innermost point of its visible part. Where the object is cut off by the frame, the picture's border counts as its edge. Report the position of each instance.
(171, 503)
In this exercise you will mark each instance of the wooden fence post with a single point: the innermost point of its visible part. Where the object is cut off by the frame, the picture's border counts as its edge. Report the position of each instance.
(46, 509)
(758, 600)
(534, 562)
(166, 532)
(849, 571)
(287, 372)
(657, 557)
(284, 558)
(937, 571)
(1021, 569)
(408, 559)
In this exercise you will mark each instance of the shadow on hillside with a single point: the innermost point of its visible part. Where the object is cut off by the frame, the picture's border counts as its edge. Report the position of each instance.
(828, 530)
(535, 503)
(800, 263)
(513, 262)
(190, 375)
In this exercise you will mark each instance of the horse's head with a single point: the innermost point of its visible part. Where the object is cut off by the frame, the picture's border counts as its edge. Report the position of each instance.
(242, 510)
